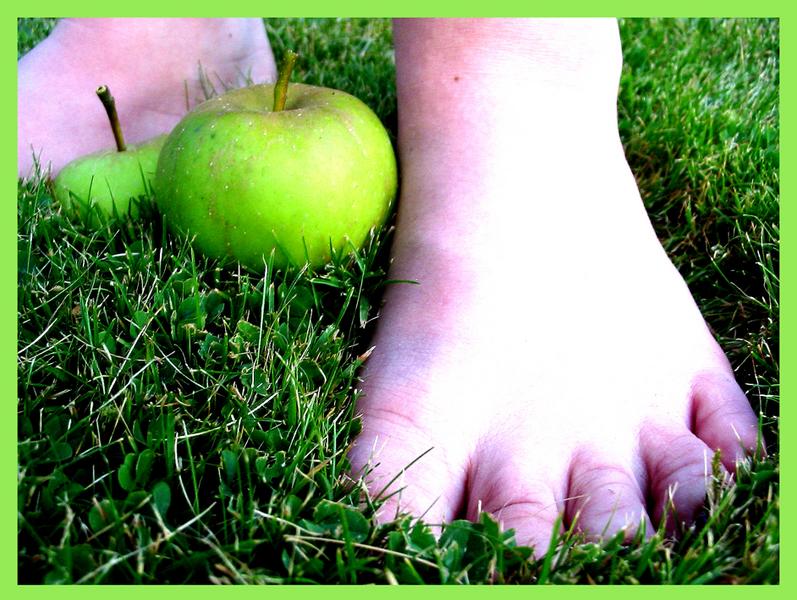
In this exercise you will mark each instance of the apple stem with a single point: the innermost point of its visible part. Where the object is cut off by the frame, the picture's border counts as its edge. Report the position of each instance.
(105, 97)
(281, 88)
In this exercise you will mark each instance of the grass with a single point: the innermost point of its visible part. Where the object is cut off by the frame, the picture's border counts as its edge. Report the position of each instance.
(31, 31)
(183, 422)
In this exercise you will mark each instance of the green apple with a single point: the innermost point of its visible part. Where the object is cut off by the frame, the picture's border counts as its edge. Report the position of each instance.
(99, 185)
(296, 170)
(108, 180)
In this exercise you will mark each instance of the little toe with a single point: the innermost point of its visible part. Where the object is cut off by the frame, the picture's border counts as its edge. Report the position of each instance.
(604, 497)
(679, 467)
(723, 419)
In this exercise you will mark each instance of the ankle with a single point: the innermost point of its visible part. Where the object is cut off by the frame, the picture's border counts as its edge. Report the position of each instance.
(485, 73)
(182, 46)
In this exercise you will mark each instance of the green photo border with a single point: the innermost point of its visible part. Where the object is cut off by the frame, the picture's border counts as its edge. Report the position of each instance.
(372, 8)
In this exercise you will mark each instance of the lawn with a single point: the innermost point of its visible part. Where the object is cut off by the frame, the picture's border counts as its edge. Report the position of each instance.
(184, 422)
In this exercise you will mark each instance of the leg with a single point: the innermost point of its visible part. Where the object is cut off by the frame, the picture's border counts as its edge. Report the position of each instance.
(151, 66)
(551, 356)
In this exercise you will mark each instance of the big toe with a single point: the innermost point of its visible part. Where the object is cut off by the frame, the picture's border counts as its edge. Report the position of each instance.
(406, 468)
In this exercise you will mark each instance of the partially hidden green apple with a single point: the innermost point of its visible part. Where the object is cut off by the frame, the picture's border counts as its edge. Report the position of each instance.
(300, 171)
(99, 185)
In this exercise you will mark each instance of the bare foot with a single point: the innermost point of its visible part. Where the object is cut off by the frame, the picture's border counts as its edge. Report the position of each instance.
(151, 66)
(551, 357)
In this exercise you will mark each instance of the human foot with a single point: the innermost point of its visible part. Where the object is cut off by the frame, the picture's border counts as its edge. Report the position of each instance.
(152, 67)
(551, 359)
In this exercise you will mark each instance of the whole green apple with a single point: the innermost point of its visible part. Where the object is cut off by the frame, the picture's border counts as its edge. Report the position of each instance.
(303, 180)
(106, 181)
(99, 185)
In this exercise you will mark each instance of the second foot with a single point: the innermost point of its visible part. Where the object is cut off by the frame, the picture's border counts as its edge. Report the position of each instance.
(587, 385)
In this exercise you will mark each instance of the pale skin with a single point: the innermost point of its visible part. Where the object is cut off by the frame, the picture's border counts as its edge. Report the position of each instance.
(550, 360)
(150, 65)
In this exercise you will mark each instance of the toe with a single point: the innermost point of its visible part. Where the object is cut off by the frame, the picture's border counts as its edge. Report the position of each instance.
(532, 515)
(679, 468)
(604, 497)
(531, 511)
(406, 469)
(519, 498)
(723, 419)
